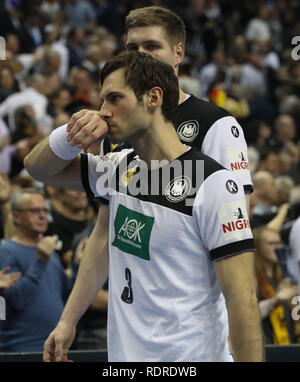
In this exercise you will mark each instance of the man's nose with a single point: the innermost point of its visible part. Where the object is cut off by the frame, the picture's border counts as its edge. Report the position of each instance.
(105, 112)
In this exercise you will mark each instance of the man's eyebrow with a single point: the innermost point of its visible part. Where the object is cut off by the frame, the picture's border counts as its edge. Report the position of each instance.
(143, 42)
(109, 94)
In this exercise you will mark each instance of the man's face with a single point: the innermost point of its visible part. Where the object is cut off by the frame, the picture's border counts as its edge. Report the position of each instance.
(125, 115)
(32, 214)
(153, 40)
(270, 189)
(74, 199)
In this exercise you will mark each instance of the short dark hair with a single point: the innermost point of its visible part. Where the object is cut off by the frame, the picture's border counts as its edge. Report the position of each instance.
(142, 73)
(172, 24)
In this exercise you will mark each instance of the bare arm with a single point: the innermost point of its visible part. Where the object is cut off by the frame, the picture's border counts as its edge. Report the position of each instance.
(237, 281)
(93, 272)
(43, 165)
(84, 129)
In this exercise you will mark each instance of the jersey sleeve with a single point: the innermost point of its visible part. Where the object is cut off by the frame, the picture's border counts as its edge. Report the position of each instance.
(225, 142)
(294, 240)
(97, 174)
(220, 214)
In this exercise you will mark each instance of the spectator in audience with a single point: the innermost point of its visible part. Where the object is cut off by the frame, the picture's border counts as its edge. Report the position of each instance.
(80, 13)
(34, 304)
(59, 102)
(33, 95)
(92, 61)
(5, 191)
(269, 161)
(6, 149)
(285, 128)
(82, 89)
(75, 46)
(258, 28)
(258, 133)
(31, 31)
(274, 288)
(69, 216)
(284, 185)
(264, 198)
(8, 84)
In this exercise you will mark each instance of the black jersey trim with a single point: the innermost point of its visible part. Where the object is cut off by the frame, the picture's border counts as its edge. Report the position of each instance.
(248, 189)
(101, 200)
(85, 179)
(106, 146)
(232, 249)
(85, 175)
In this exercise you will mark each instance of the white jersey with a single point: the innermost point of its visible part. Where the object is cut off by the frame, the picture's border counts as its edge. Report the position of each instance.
(294, 242)
(211, 130)
(165, 302)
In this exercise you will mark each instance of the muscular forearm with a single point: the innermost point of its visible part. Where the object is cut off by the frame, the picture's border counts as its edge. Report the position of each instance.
(245, 329)
(41, 162)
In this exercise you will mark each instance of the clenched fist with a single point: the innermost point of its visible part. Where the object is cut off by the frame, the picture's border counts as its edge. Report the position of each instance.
(85, 128)
(46, 247)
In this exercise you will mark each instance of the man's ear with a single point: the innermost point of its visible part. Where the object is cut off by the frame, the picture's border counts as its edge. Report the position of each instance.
(154, 97)
(179, 52)
(15, 217)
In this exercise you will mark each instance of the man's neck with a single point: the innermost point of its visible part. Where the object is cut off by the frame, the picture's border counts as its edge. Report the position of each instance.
(29, 239)
(158, 142)
(182, 96)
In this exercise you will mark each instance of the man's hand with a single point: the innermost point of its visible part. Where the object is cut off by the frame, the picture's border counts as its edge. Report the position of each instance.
(7, 280)
(286, 290)
(85, 128)
(58, 343)
(45, 247)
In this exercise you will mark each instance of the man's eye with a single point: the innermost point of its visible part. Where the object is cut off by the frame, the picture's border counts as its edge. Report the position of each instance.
(151, 47)
(115, 98)
(132, 48)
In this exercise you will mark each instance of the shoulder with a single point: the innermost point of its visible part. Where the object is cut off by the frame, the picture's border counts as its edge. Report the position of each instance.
(208, 111)
(7, 245)
(209, 166)
(196, 117)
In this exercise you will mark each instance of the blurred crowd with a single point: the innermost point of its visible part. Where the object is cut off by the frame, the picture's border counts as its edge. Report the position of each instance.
(239, 55)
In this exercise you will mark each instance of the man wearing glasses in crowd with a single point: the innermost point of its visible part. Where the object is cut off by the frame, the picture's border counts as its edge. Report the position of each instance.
(35, 302)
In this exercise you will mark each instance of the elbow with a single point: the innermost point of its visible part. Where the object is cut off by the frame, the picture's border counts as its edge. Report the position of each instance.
(31, 167)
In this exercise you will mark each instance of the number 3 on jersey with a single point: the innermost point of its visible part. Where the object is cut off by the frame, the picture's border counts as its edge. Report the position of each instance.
(127, 295)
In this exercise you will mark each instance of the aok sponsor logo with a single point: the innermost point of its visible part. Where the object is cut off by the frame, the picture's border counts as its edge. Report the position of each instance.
(132, 232)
